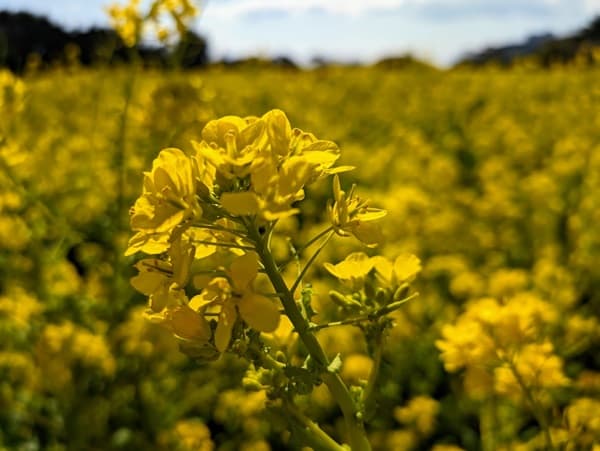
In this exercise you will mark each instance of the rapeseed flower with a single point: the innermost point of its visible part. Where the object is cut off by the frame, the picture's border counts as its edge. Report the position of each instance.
(352, 270)
(168, 200)
(351, 215)
(234, 296)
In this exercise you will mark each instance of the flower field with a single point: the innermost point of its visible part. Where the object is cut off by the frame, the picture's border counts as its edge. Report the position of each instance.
(491, 242)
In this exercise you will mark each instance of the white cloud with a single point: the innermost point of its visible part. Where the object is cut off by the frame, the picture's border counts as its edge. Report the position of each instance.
(346, 7)
(236, 8)
(592, 6)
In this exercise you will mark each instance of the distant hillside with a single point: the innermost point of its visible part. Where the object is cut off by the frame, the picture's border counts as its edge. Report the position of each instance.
(547, 49)
(23, 34)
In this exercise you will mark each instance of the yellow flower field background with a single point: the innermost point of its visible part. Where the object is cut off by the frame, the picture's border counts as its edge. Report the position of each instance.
(490, 176)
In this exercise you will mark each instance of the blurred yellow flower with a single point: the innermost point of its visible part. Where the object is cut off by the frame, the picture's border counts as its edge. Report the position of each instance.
(535, 366)
(420, 412)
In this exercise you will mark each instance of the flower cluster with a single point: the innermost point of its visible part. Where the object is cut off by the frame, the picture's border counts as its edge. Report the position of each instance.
(197, 215)
(503, 347)
(129, 21)
(374, 283)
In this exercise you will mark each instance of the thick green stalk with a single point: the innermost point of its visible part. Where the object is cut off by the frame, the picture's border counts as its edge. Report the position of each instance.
(355, 428)
(314, 435)
(354, 425)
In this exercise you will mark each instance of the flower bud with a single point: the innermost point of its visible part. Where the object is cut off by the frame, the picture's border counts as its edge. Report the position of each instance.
(251, 384)
(343, 301)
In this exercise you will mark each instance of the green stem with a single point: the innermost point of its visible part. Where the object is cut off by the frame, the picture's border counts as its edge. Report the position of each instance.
(488, 424)
(298, 252)
(356, 432)
(535, 407)
(370, 392)
(369, 317)
(265, 359)
(313, 433)
(120, 156)
(309, 262)
(120, 167)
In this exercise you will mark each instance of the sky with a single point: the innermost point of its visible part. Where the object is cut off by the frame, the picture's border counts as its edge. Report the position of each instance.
(440, 31)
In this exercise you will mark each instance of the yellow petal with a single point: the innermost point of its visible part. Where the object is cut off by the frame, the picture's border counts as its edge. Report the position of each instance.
(208, 153)
(295, 173)
(340, 169)
(337, 189)
(200, 301)
(323, 160)
(250, 134)
(142, 213)
(274, 215)
(148, 282)
(160, 299)
(355, 265)
(245, 203)
(215, 131)
(263, 172)
(322, 145)
(227, 319)
(259, 312)
(406, 267)
(188, 324)
(279, 131)
(244, 270)
(384, 268)
(372, 214)
(182, 255)
(162, 179)
(368, 233)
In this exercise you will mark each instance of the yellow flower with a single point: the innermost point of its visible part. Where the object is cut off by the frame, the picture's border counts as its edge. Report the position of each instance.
(180, 318)
(154, 280)
(465, 343)
(280, 161)
(157, 277)
(236, 296)
(421, 412)
(274, 188)
(169, 199)
(163, 282)
(404, 269)
(536, 366)
(582, 417)
(351, 215)
(356, 368)
(507, 281)
(19, 308)
(12, 93)
(352, 270)
(127, 22)
(187, 435)
(231, 144)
